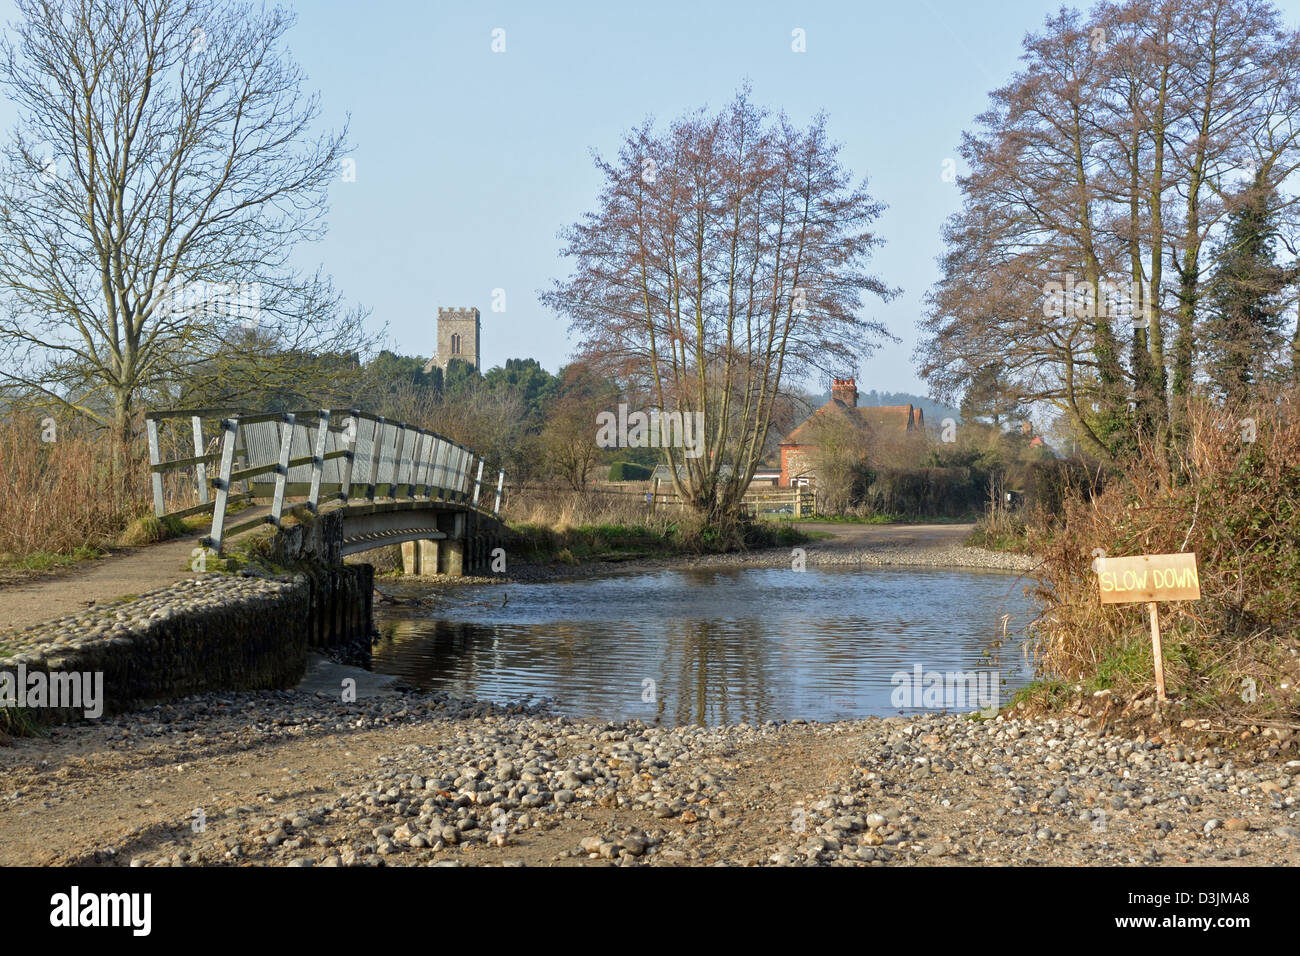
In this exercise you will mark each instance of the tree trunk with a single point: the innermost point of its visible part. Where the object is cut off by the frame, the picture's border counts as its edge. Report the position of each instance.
(122, 439)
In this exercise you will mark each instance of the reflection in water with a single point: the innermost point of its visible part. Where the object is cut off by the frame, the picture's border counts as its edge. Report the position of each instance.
(710, 645)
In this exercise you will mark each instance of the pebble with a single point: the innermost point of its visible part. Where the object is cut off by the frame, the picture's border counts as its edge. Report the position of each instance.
(498, 771)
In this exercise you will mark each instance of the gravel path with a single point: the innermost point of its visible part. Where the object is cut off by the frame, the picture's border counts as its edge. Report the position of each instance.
(36, 598)
(301, 780)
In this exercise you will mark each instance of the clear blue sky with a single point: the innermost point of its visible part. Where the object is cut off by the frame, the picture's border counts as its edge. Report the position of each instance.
(469, 161)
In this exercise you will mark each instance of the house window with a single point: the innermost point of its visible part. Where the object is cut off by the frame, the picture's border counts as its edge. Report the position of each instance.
(801, 482)
(455, 344)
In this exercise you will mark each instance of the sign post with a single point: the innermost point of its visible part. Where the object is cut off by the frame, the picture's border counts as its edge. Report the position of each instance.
(1156, 654)
(1149, 578)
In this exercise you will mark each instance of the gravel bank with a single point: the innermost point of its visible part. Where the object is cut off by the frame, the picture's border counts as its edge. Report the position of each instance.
(297, 780)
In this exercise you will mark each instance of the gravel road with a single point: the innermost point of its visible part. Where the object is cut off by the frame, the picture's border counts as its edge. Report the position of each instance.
(286, 778)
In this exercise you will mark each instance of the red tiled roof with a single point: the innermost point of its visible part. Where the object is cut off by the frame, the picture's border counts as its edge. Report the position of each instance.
(899, 419)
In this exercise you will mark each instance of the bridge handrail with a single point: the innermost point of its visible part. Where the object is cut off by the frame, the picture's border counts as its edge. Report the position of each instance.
(420, 464)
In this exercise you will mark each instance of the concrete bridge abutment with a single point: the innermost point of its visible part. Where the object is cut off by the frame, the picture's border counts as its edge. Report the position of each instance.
(466, 548)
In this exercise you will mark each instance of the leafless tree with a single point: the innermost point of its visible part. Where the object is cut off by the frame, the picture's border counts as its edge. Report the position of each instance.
(1116, 155)
(566, 440)
(725, 259)
(165, 163)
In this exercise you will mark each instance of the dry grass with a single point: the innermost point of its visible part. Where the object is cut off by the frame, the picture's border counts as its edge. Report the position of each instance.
(560, 524)
(61, 496)
(1236, 504)
(561, 508)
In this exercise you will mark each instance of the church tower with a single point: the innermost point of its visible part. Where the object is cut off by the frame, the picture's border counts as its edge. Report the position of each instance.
(458, 337)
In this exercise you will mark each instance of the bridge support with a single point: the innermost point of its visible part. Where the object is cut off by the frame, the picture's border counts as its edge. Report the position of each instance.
(451, 550)
(420, 557)
(464, 546)
(443, 556)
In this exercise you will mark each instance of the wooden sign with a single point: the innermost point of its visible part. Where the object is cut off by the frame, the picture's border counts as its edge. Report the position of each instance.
(1149, 578)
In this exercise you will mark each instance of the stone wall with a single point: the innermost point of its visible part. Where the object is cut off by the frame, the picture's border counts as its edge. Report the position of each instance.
(215, 632)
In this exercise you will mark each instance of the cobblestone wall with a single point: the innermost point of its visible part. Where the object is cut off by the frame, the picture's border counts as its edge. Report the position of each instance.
(216, 632)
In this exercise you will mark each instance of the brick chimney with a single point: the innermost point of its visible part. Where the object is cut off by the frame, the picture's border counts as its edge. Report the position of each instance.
(844, 391)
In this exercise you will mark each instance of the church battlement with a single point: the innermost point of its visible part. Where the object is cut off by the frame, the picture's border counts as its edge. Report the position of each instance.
(459, 337)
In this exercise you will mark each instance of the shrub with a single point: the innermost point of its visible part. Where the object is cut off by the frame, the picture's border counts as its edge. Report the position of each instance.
(629, 471)
(1236, 504)
(924, 492)
(65, 495)
(1048, 483)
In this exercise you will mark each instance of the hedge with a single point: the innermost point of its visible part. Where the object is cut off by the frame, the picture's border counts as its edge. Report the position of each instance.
(628, 471)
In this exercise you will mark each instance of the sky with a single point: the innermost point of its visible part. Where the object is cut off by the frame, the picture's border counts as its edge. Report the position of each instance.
(468, 162)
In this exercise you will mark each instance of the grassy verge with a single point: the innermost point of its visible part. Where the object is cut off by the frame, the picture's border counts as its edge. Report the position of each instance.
(1234, 654)
(142, 531)
(623, 542)
(888, 519)
(559, 526)
(1001, 532)
(151, 530)
(47, 560)
(17, 567)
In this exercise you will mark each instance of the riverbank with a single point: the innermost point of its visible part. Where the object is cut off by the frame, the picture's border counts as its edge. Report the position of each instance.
(298, 779)
(911, 545)
(36, 598)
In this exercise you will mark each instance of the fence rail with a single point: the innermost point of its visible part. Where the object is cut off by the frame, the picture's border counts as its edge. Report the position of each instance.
(758, 500)
(800, 500)
(320, 455)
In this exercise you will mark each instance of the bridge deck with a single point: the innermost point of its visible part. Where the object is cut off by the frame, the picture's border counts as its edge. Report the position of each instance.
(319, 455)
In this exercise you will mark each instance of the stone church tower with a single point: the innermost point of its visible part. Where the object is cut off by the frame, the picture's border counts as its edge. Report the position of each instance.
(458, 338)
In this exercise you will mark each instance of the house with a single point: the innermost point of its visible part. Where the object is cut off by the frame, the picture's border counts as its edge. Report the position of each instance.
(878, 429)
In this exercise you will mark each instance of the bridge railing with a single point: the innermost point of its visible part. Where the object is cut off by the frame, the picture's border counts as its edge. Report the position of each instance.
(320, 455)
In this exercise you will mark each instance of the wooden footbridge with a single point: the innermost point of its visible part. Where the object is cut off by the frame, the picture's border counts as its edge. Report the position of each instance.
(394, 483)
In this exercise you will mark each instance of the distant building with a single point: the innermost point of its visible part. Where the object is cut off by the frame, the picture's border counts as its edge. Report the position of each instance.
(458, 338)
(875, 425)
(1037, 442)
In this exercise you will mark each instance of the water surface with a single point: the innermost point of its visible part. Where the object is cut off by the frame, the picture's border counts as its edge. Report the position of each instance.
(718, 645)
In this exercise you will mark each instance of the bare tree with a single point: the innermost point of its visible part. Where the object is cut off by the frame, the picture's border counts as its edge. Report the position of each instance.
(1118, 153)
(567, 439)
(839, 460)
(165, 163)
(725, 259)
(488, 420)
(1032, 221)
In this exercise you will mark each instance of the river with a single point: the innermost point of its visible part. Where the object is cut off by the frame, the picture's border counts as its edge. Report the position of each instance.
(717, 646)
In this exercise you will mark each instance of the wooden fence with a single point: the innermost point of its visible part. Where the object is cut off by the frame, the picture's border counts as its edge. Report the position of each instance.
(758, 501)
